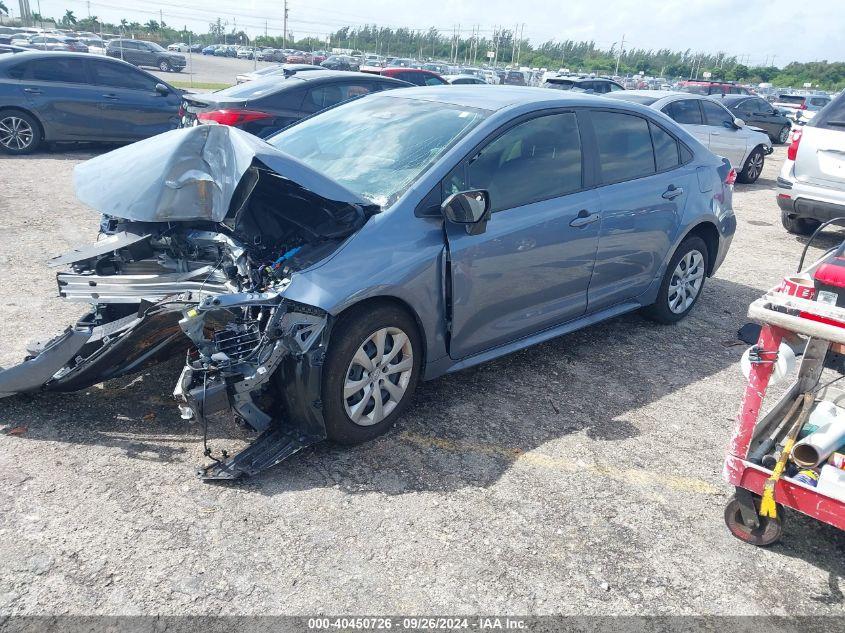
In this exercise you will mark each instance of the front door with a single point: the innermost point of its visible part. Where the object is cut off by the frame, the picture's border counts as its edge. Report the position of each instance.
(531, 268)
(687, 112)
(725, 139)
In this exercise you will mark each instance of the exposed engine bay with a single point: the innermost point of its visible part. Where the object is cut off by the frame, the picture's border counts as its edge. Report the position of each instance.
(208, 283)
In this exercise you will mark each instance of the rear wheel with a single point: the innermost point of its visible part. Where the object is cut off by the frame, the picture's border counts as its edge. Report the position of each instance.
(164, 66)
(767, 532)
(783, 136)
(370, 373)
(682, 284)
(753, 167)
(19, 132)
(798, 226)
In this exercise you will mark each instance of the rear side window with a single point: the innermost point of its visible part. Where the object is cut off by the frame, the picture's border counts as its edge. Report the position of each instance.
(560, 85)
(67, 70)
(624, 143)
(534, 160)
(331, 94)
(832, 117)
(665, 148)
(431, 80)
(16, 72)
(715, 115)
(685, 112)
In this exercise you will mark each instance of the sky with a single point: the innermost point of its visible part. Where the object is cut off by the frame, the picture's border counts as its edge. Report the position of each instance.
(755, 30)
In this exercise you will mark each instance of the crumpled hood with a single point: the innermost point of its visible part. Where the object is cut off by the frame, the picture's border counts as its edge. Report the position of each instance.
(189, 175)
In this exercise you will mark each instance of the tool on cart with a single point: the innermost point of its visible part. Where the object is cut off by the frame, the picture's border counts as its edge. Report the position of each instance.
(767, 505)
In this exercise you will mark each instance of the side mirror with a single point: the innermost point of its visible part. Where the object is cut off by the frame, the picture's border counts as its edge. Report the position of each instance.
(162, 89)
(470, 208)
(739, 123)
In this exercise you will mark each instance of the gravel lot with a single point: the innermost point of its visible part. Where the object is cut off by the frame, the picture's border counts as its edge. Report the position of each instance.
(210, 69)
(581, 476)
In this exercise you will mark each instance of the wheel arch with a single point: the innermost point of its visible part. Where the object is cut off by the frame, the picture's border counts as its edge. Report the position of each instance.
(393, 300)
(28, 112)
(708, 232)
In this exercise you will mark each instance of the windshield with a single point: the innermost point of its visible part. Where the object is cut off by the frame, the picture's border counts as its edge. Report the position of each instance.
(377, 146)
(154, 46)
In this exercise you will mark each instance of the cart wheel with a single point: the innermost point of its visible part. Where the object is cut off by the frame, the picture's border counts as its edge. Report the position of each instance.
(767, 533)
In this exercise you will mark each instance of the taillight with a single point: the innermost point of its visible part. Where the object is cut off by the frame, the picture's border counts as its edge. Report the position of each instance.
(792, 151)
(730, 179)
(803, 105)
(232, 117)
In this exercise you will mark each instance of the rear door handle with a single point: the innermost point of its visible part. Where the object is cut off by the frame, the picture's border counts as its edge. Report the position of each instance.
(584, 218)
(672, 192)
(32, 91)
(111, 96)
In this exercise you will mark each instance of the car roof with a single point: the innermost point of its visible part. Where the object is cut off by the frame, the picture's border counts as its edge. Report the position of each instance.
(500, 97)
(736, 98)
(326, 75)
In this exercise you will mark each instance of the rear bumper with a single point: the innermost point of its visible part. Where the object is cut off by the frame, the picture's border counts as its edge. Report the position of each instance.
(804, 200)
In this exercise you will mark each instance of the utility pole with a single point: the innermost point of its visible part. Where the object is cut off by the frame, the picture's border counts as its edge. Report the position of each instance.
(160, 15)
(519, 46)
(619, 56)
(285, 27)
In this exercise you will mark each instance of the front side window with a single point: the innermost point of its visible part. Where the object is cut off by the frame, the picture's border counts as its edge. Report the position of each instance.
(624, 146)
(534, 160)
(378, 146)
(118, 76)
(685, 112)
(715, 115)
(615, 87)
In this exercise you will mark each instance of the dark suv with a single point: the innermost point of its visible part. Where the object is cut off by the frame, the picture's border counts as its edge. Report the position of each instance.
(142, 53)
(593, 85)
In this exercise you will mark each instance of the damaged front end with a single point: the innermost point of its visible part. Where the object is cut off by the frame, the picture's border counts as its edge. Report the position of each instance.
(202, 231)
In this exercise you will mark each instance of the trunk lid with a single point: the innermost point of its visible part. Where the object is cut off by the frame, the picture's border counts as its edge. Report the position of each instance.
(821, 157)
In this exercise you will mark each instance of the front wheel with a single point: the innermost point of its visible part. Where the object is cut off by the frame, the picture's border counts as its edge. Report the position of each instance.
(753, 167)
(682, 284)
(766, 533)
(783, 136)
(370, 373)
(19, 132)
(164, 66)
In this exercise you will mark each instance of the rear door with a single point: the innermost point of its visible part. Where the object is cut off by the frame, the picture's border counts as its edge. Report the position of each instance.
(131, 108)
(821, 152)
(725, 139)
(531, 268)
(57, 88)
(643, 193)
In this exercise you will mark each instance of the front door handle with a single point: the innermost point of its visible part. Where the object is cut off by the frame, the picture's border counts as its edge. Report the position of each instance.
(672, 192)
(111, 96)
(584, 218)
(32, 91)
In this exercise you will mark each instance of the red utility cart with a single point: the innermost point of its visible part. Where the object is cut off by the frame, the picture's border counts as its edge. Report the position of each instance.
(782, 316)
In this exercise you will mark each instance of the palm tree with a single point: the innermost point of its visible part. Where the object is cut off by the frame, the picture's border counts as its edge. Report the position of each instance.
(4, 10)
(151, 26)
(123, 24)
(69, 18)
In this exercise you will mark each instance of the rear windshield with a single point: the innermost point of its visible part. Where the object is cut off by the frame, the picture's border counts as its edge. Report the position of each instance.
(791, 99)
(558, 84)
(696, 89)
(252, 89)
(832, 116)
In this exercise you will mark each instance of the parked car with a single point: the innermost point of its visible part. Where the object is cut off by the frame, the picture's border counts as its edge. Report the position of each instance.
(318, 57)
(298, 57)
(811, 185)
(557, 211)
(265, 106)
(341, 62)
(195, 48)
(514, 78)
(57, 97)
(713, 88)
(801, 107)
(713, 125)
(56, 43)
(209, 50)
(760, 113)
(583, 84)
(7, 33)
(179, 47)
(226, 50)
(416, 76)
(281, 70)
(464, 79)
(95, 45)
(245, 52)
(141, 53)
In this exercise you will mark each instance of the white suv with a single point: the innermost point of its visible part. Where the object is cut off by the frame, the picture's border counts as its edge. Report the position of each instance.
(811, 185)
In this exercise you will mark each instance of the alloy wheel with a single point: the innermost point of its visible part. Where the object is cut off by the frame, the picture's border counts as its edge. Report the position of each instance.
(378, 376)
(784, 134)
(16, 133)
(686, 282)
(755, 166)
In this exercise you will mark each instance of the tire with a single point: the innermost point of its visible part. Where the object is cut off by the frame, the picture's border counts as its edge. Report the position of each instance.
(798, 226)
(783, 136)
(358, 418)
(753, 167)
(164, 66)
(679, 291)
(20, 133)
(768, 532)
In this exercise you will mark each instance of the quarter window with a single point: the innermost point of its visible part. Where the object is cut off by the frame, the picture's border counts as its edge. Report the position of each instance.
(66, 70)
(534, 160)
(624, 146)
(665, 148)
(685, 112)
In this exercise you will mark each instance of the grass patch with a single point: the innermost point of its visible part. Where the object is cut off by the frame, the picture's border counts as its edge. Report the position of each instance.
(202, 85)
